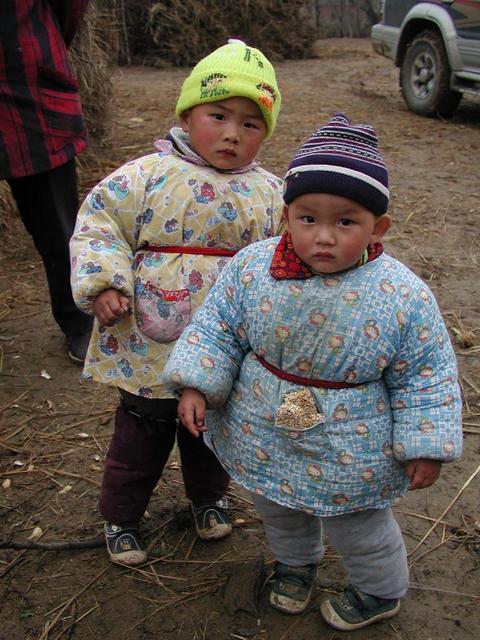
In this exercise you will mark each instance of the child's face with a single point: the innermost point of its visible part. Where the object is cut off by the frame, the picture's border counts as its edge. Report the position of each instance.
(330, 233)
(228, 133)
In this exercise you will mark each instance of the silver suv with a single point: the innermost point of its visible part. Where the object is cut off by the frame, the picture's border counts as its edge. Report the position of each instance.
(436, 45)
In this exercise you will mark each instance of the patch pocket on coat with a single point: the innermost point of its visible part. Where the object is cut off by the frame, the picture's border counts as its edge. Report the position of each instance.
(312, 441)
(61, 107)
(162, 314)
(300, 420)
(298, 411)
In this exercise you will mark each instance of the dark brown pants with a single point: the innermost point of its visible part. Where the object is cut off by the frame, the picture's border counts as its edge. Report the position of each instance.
(144, 435)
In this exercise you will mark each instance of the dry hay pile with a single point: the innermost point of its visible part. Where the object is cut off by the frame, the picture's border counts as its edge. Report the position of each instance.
(7, 206)
(93, 56)
(180, 33)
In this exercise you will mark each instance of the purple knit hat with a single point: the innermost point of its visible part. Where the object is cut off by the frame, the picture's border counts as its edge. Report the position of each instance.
(341, 159)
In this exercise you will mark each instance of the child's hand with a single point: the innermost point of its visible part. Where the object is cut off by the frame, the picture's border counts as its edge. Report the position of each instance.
(422, 473)
(191, 411)
(109, 306)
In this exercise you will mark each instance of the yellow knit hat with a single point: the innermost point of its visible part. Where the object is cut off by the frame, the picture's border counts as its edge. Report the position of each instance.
(234, 70)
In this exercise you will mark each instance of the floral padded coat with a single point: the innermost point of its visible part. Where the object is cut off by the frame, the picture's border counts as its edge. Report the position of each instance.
(377, 325)
(166, 198)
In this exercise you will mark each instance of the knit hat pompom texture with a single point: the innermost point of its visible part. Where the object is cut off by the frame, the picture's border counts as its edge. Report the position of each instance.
(341, 159)
(232, 71)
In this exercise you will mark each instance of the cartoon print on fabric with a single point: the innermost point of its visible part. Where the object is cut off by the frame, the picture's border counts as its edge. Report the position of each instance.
(147, 216)
(336, 344)
(89, 268)
(108, 343)
(96, 201)
(211, 86)
(268, 95)
(240, 186)
(125, 368)
(195, 281)
(119, 186)
(155, 184)
(187, 235)
(227, 211)
(204, 194)
(171, 225)
(137, 345)
(101, 246)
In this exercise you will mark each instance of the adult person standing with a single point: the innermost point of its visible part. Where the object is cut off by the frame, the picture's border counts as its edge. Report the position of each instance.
(42, 129)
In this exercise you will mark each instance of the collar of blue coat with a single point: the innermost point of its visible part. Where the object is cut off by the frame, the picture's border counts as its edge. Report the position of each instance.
(178, 142)
(286, 265)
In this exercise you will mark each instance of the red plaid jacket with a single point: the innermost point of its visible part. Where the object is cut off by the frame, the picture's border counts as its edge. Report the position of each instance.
(41, 120)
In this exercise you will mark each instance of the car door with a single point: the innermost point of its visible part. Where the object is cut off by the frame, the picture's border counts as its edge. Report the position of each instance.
(466, 16)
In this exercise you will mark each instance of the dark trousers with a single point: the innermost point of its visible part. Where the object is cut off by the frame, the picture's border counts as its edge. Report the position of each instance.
(143, 438)
(48, 205)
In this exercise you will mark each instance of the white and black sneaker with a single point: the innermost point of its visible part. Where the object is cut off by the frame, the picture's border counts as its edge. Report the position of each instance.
(211, 520)
(124, 544)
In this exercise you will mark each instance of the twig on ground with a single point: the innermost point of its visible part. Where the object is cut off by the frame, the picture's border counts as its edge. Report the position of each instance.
(9, 404)
(90, 418)
(71, 626)
(52, 473)
(413, 585)
(428, 551)
(471, 384)
(22, 553)
(464, 395)
(207, 566)
(286, 634)
(89, 543)
(174, 601)
(446, 510)
(61, 607)
(422, 517)
(18, 428)
(471, 430)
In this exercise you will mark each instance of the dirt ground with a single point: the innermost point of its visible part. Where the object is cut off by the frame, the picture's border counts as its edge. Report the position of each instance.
(55, 427)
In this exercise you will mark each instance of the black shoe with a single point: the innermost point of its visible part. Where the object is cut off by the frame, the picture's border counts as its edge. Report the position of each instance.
(354, 609)
(124, 544)
(78, 347)
(292, 587)
(211, 520)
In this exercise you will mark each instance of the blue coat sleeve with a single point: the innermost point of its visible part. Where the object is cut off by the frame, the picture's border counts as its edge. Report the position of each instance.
(423, 385)
(209, 353)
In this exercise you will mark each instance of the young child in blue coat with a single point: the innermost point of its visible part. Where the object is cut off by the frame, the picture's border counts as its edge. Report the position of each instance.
(330, 380)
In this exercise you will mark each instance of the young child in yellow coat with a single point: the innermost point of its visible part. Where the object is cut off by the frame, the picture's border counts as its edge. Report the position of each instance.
(150, 241)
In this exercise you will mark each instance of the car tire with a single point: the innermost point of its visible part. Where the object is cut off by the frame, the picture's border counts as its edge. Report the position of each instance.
(425, 77)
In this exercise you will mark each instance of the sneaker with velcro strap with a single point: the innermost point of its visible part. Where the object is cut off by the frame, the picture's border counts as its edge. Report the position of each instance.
(212, 521)
(354, 609)
(124, 544)
(292, 587)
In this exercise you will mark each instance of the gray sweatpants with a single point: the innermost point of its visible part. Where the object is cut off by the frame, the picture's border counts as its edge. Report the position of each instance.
(370, 544)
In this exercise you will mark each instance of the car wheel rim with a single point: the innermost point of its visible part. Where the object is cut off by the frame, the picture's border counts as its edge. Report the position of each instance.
(423, 75)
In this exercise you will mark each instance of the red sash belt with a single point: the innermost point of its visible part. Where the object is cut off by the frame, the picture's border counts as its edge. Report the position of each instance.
(200, 251)
(308, 382)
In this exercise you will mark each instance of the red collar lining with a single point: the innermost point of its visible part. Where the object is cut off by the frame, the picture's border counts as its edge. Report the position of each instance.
(286, 265)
